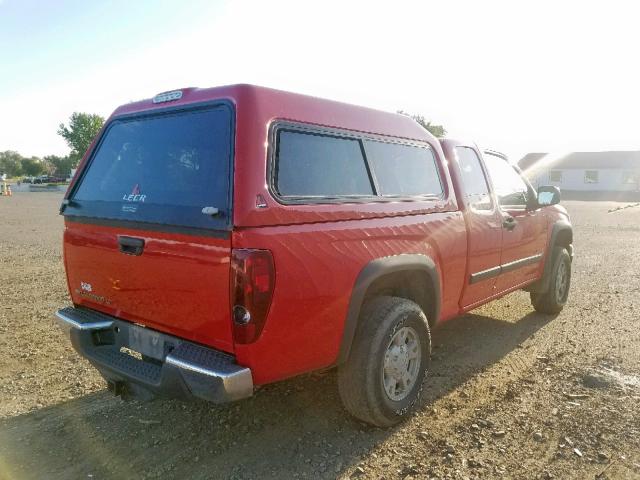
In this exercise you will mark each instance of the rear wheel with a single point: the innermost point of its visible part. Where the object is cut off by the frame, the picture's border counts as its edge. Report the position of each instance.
(554, 299)
(382, 381)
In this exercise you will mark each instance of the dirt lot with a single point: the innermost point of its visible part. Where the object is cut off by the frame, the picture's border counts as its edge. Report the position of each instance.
(513, 394)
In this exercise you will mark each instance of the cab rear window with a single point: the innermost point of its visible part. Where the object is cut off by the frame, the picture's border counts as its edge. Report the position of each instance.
(161, 169)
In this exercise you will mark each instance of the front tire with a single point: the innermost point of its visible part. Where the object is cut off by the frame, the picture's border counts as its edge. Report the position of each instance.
(382, 380)
(554, 299)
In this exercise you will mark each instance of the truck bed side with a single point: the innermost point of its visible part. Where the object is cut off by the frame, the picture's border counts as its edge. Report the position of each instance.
(310, 303)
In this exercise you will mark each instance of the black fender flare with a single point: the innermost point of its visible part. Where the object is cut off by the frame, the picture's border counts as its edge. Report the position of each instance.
(561, 227)
(375, 270)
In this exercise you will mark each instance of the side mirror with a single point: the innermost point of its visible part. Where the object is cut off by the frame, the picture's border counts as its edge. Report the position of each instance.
(548, 195)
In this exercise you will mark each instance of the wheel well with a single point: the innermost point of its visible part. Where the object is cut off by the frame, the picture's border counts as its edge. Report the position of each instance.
(412, 285)
(564, 237)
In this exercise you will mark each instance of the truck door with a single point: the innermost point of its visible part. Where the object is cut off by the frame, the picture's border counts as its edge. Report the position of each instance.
(484, 226)
(523, 228)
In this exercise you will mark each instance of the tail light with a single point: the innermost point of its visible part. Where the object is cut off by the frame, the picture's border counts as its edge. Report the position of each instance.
(252, 280)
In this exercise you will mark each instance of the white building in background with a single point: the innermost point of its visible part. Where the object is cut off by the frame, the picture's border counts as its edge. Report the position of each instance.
(612, 173)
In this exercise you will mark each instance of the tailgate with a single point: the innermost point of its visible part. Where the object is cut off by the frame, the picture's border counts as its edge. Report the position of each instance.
(147, 224)
(178, 284)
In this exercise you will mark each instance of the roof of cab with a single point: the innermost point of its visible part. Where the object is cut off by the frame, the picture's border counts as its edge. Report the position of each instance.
(272, 104)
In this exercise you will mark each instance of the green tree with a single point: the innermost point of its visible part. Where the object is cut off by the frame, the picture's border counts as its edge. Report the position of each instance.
(33, 166)
(436, 130)
(82, 129)
(61, 166)
(11, 163)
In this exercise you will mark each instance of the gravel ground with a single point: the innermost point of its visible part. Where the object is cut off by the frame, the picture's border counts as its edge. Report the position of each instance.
(513, 394)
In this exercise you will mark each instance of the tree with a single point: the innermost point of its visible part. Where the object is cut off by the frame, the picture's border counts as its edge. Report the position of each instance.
(33, 166)
(61, 166)
(82, 129)
(10, 163)
(436, 130)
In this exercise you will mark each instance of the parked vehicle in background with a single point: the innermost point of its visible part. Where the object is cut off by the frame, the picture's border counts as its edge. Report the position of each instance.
(28, 180)
(219, 239)
(48, 179)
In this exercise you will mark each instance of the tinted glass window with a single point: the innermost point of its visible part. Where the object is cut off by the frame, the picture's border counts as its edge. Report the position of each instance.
(473, 179)
(161, 169)
(404, 170)
(509, 186)
(314, 165)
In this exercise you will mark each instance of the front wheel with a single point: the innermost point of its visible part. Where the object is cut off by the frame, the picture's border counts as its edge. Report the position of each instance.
(554, 299)
(382, 380)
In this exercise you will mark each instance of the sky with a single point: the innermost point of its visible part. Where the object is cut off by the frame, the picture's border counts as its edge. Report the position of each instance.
(527, 76)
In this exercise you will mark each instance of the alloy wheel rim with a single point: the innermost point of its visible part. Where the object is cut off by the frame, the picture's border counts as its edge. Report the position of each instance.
(401, 364)
(561, 282)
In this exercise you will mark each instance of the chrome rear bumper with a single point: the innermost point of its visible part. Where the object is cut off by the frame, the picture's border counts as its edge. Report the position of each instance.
(136, 360)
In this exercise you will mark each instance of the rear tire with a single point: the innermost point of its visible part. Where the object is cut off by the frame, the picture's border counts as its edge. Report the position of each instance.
(382, 380)
(554, 299)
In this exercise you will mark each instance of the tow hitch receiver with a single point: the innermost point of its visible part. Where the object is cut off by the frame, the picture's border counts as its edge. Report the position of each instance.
(116, 387)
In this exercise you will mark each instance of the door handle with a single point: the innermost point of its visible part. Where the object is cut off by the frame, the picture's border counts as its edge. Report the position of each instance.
(509, 223)
(131, 245)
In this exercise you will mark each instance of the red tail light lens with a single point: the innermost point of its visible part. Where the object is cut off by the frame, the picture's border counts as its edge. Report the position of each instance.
(252, 280)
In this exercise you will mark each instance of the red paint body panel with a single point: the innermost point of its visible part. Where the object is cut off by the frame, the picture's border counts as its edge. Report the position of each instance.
(527, 239)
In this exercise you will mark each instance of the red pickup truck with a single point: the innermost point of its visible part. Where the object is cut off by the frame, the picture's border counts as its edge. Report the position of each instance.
(220, 239)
